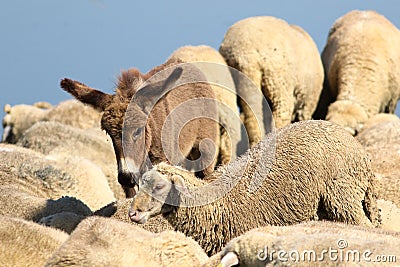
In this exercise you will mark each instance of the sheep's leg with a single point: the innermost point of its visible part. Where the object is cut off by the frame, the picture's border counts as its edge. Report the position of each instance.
(370, 203)
(306, 102)
(391, 106)
(325, 99)
(230, 124)
(250, 100)
(279, 91)
(342, 203)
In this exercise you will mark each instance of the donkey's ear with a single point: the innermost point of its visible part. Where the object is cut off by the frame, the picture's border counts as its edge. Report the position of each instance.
(180, 185)
(87, 95)
(149, 95)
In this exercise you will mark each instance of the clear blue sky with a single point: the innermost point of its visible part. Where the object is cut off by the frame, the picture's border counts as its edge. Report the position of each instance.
(91, 41)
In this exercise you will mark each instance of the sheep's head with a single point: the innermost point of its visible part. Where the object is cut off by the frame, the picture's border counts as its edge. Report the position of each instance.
(158, 193)
(20, 118)
(125, 115)
(8, 136)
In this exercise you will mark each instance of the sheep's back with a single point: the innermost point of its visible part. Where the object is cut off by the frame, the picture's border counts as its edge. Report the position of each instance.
(310, 159)
(355, 69)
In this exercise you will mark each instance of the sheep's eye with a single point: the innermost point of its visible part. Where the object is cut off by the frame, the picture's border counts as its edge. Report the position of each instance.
(159, 186)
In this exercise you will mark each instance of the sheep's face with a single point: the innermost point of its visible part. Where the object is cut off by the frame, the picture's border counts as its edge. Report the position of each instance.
(8, 135)
(18, 119)
(159, 192)
(154, 191)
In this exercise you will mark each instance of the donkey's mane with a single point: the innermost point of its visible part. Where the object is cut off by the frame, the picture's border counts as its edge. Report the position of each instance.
(130, 80)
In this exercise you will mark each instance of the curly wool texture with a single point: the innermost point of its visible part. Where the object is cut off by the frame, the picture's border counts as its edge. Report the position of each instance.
(309, 237)
(66, 221)
(53, 138)
(382, 143)
(283, 62)
(228, 119)
(379, 118)
(24, 243)
(20, 118)
(390, 215)
(107, 242)
(119, 210)
(367, 76)
(51, 178)
(68, 216)
(19, 204)
(318, 171)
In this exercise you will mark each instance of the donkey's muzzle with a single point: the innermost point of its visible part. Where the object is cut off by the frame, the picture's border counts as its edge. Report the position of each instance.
(126, 179)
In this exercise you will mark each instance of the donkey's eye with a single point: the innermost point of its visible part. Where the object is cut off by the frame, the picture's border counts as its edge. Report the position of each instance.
(137, 132)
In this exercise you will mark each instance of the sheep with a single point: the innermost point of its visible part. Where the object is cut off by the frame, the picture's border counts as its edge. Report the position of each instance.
(377, 119)
(138, 139)
(119, 210)
(101, 241)
(361, 79)
(25, 243)
(28, 190)
(53, 177)
(283, 62)
(318, 171)
(63, 213)
(17, 203)
(53, 138)
(88, 181)
(320, 243)
(228, 109)
(371, 137)
(19, 118)
(67, 221)
(67, 216)
(390, 215)
(382, 143)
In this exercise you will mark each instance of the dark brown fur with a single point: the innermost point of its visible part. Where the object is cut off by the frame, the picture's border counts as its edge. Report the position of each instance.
(115, 106)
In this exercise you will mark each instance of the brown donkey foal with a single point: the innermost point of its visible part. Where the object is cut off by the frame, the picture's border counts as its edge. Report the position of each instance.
(173, 118)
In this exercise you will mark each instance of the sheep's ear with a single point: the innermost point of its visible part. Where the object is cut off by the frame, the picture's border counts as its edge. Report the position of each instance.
(42, 105)
(7, 108)
(87, 95)
(180, 185)
(149, 95)
(230, 259)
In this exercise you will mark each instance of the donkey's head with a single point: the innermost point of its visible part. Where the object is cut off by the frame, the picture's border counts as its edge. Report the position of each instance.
(124, 118)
